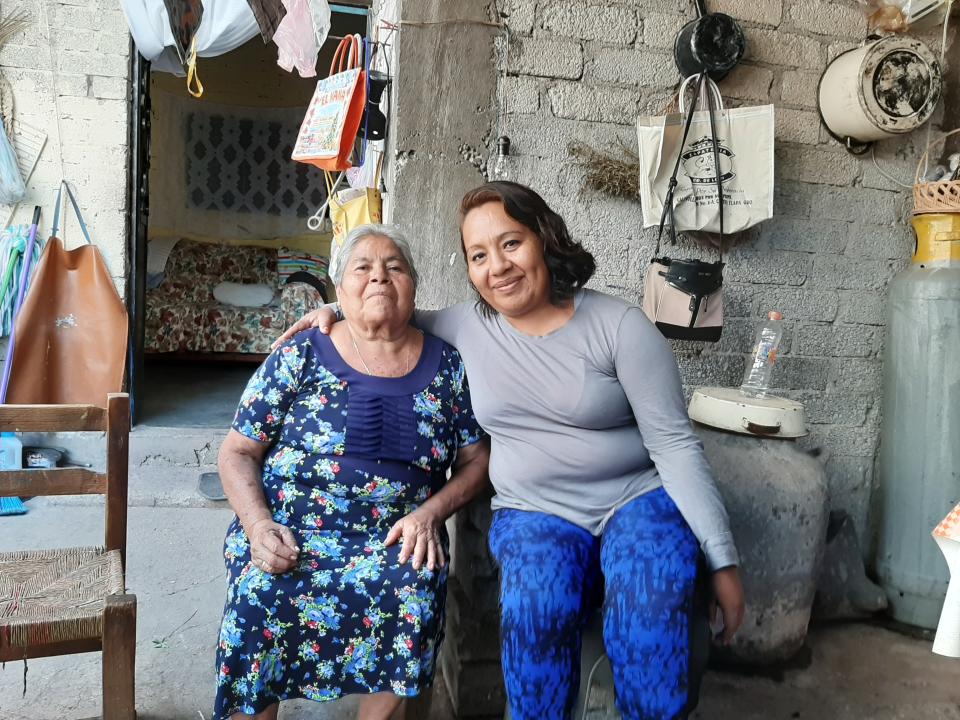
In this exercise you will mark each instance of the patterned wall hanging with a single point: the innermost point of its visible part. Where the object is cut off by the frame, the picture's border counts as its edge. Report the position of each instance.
(241, 163)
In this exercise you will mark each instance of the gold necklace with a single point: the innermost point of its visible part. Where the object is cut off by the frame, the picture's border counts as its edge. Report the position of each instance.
(353, 339)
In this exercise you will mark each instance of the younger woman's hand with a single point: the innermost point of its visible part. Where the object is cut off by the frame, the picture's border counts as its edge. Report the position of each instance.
(322, 317)
(728, 596)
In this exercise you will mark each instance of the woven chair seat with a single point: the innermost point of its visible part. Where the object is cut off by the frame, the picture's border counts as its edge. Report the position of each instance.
(49, 596)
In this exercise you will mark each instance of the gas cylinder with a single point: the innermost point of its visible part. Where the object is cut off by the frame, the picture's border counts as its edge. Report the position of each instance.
(919, 460)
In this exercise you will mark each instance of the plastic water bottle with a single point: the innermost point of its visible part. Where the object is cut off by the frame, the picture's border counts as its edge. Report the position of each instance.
(756, 378)
(11, 451)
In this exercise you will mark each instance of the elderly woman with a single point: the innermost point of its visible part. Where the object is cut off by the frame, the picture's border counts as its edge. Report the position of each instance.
(600, 480)
(339, 451)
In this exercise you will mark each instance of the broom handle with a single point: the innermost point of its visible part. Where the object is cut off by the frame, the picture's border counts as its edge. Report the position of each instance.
(21, 291)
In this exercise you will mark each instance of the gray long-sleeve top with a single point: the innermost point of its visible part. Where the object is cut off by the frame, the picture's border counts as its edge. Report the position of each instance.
(587, 418)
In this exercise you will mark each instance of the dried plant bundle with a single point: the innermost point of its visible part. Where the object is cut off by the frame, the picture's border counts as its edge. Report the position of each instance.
(12, 24)
(611, 174)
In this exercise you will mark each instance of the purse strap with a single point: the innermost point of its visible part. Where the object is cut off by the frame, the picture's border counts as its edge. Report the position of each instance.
(672, 186)
(56, 213)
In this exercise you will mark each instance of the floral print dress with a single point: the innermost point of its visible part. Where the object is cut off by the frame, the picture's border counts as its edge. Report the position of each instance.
(350, 455)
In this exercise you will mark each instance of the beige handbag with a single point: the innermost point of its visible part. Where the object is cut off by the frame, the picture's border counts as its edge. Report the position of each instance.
(684, 298)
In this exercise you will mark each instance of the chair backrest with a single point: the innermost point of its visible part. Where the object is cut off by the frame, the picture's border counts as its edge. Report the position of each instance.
(114, 420)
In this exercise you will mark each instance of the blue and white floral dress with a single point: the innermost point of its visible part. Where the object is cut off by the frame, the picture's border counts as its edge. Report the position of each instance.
(350, 454)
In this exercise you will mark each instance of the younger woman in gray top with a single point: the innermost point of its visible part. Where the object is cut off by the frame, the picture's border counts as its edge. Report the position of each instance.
(599, 477)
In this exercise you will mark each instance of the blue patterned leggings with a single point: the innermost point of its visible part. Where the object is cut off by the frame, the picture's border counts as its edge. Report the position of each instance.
(552, 574)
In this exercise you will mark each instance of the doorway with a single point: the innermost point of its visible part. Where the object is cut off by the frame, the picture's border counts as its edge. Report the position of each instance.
(218, 226)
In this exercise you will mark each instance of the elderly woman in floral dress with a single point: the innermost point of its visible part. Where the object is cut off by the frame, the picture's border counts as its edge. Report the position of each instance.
(336, 466)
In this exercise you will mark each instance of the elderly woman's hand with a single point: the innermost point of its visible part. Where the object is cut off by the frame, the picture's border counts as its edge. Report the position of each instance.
(323, 318)
(420, 531)
(273, 548)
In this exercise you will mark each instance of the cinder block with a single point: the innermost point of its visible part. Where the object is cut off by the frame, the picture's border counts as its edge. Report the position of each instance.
(544, 136)
(868, 308)
(93, 63)
(710, 368)
(598, 104)
(748, 82)
(767, 12)
(799, 88)
(767, 268)
(660, 31)
(739, 300)
(839, 272)
(880, 243)
(808, 235)
(518, 15)
(827, 18)
(857, 204)
(631, 67)
(800, 373)
(109, 88)
(838, 340)
(781, 48)
(609, 23)
(798, 126)
(843, 440)
(520, 95)
(792, 199)
(813, 165)
(840, 408)
(799, 304)
(857, 375)
(547, 57)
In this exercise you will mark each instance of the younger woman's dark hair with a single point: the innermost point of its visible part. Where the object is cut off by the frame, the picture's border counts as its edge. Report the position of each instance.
(570, 264)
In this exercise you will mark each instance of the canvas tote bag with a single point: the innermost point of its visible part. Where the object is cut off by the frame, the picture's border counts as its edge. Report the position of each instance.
(72, 329)
(745, 159)
(684, 298)
(330, 126)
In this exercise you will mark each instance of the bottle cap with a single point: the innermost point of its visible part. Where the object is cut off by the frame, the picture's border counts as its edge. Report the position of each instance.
(774, 315)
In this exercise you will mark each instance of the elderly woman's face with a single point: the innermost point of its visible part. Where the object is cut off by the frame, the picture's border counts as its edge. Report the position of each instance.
(377, 287)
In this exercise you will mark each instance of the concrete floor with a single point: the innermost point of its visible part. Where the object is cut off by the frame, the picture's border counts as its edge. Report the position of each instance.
(202, 395)
(857, 671)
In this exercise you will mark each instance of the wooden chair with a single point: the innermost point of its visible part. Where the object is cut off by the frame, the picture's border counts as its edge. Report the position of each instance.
(74, 600)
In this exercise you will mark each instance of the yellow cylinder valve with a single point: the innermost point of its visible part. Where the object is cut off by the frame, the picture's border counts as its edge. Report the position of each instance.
(938, 238)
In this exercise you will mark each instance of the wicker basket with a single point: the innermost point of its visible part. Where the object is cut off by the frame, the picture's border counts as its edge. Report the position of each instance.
(935, 197)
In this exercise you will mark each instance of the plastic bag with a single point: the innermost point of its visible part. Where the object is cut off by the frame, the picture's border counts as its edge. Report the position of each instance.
(12, 188)
(903, 15)
(320, 10)
(295, 39)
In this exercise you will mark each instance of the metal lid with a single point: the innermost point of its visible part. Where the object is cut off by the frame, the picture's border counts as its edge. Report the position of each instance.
(901, 83)
(729, 409)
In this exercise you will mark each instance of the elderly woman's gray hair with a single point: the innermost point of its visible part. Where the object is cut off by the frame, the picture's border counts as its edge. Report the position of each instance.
(339, 262)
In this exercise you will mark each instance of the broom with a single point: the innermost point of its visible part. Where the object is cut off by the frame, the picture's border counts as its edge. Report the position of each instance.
(14, 505)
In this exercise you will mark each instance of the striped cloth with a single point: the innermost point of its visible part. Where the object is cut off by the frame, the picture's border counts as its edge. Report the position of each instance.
(291, 261)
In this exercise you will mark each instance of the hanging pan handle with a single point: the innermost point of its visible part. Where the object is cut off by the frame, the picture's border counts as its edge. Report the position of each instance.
(922, 165)
(701, 8)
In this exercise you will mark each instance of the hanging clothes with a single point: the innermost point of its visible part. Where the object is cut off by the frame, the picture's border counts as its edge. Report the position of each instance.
(227, 24)
(296, 41)
(268, 13)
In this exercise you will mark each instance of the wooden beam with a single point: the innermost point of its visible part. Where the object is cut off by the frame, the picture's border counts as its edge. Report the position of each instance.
(119, 657)
(9, 653)
(59, 481)
(118, 457)
(52, 418)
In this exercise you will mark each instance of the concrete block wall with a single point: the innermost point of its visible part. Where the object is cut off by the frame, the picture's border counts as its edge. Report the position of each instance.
(68, 71)
(585, 71)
